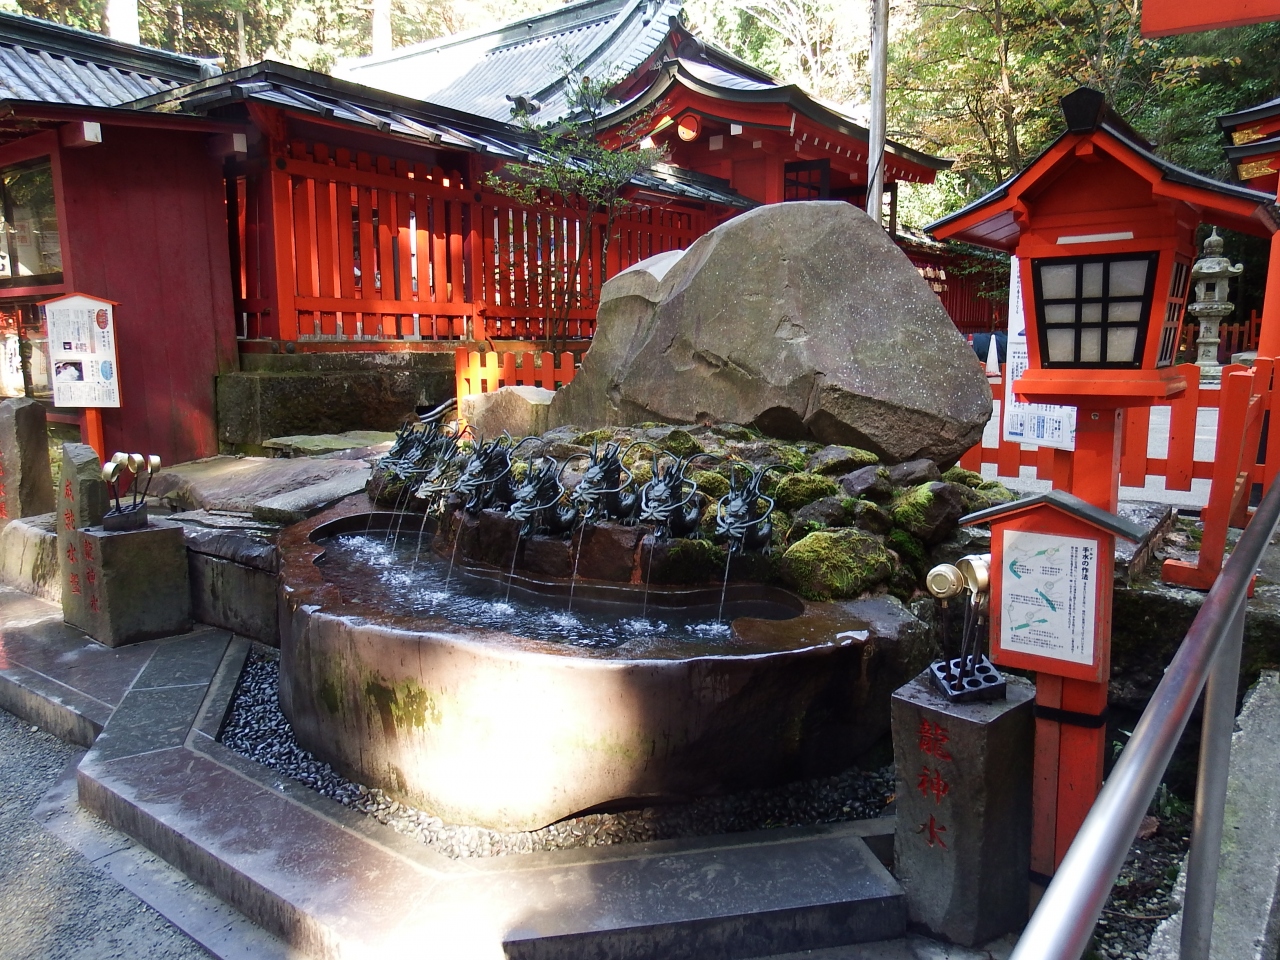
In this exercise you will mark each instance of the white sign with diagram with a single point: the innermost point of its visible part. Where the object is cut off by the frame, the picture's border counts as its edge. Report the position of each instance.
(1037, 424)
(1048, 596)
(82, 351)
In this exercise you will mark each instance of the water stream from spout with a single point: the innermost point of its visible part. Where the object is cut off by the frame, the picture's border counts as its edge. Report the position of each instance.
(724, 585)
(573, 580)
(648, 573)
(453, 554)
(421, 531)
(393, 529)
(511, 574)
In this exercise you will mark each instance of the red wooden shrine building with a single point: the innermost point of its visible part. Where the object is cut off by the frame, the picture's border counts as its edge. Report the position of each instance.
(273, 211)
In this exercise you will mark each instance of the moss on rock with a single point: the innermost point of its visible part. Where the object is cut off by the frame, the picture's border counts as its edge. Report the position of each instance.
(909, 550)
(796, 489)
(681, 443)
(709, 483)
(836, 564)
(995, 492)
(641, 471)
(603, 435)
(836, 460)
(965, 477)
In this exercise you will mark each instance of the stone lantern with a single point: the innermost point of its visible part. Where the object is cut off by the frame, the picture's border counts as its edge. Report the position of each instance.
(1211, 274)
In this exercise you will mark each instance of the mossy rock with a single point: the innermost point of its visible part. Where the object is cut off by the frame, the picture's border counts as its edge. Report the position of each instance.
(734, 431)
(836, 564)
(641, 471)
(711, 484)
(995, 493)
(910, 551)
(838, 460)
(687, 561)
(930, 511)
(796, 489)
(791, 457)
(964, 477)
(681, 443)
(603, 435)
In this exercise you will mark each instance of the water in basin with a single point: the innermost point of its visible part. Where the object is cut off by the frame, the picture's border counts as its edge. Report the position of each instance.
(371, 569)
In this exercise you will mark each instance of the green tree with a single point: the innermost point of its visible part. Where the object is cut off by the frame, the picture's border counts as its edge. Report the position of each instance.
(579, 173)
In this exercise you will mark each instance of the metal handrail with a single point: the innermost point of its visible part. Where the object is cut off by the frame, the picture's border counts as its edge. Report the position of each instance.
(1063, 922)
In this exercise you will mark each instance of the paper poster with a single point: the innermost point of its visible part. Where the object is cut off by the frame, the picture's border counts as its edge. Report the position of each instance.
(1038, 424)
(1049, 596)
(82, 351)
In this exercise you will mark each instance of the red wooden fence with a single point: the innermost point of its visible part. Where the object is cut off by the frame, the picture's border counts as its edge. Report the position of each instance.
(477, 372)
(1246, 395)
(339, 244)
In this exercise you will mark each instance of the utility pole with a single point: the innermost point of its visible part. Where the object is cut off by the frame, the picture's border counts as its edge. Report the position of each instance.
(876, 137)
(381, 27)
(122, 20)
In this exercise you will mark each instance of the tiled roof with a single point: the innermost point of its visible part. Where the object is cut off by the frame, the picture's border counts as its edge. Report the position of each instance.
(478, 72)
(43, 61)
(302, 91)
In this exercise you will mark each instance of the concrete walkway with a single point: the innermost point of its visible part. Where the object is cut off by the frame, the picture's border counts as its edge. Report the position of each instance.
(53, 902)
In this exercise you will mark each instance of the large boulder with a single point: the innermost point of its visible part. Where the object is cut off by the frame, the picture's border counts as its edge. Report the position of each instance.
(801, 319)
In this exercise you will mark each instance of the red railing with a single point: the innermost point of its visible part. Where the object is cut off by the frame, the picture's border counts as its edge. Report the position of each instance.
(337, 244)
(1241, 402)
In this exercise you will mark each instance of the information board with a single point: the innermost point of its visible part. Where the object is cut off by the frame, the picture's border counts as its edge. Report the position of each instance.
(1048, 596)
(82, 351)
(1038, 424)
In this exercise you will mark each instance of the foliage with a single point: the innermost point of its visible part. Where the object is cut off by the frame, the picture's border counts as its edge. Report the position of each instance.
(577, 176)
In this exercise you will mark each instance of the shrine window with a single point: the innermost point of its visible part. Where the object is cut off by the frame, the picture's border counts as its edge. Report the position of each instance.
(807, 180)
(1093, 310)
(31, 251)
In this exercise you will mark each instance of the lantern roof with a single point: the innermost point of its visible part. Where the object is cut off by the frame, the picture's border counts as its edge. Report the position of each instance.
(998, 219)
(1063, 502)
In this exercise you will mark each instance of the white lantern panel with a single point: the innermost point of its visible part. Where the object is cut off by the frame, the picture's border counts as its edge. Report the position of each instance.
(1092, 285)
(1129, 278)
(1090, 345)
(1058, 281)
(1062, 344)
(1060, 313)
(1122, 342)
(1090, 313)
(1124, 312)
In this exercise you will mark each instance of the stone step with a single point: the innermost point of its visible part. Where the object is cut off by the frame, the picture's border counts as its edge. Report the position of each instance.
(335, 884)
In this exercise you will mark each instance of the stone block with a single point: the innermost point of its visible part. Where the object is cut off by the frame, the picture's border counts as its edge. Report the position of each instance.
(235, 597)
(963, 841)
(129, 585)
(82, 500)
(519, 411)
(26, 484)
(29, 557)
(295, 505)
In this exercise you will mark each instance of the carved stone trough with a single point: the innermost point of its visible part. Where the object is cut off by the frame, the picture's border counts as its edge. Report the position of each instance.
(481, 726)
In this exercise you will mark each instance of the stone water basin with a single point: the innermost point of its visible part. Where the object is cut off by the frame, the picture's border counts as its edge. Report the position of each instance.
(445, 701)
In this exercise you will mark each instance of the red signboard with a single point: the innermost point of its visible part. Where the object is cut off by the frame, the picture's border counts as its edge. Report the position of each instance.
(1160, 18)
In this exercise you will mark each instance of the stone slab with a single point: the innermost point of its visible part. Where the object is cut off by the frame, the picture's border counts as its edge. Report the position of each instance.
(219, 928)
(237, 483)
(231, 536)
(26, 483)
(54, 676)
(1245, 922)
(521, 411)
(129, 585)
(335, 884)
(295, 505)
(311, 445)
(29, 557)
(963, 843)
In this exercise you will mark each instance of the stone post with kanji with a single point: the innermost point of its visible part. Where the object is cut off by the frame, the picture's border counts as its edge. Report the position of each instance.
(26, 483)
(117, 586)
(962, 846)
(81, 502)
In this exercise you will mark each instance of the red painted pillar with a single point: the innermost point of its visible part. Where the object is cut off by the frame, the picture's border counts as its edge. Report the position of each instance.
(1269, 335)
(1070, 732)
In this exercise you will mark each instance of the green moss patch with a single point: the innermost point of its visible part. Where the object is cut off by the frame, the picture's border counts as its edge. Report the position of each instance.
(711, 484)
(836, 564)
(964, 477)
(681, 443)
(796, 489)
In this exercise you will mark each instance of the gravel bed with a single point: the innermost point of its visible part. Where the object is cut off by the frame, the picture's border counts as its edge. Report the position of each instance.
(1140, 898)
(257, 729)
